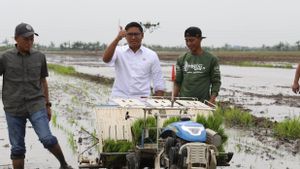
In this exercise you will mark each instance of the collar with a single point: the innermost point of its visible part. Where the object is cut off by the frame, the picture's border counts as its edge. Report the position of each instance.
(127, 48)
(202, 53)
(16, 51)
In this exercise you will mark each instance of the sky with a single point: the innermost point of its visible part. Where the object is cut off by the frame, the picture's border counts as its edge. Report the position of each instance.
(236, 22)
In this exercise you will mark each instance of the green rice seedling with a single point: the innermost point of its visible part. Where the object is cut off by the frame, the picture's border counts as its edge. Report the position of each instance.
(72, 142)
(238, 147)
(236, 117)
(75, 100)
(138, 126)
(171, 120)
(72, 120)
(69, 109)
(214, 122)
(117, 145)
(288, 129)
(54, 119)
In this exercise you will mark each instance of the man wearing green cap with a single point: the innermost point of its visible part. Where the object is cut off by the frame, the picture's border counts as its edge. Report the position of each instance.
(25, 96)
(197, 71)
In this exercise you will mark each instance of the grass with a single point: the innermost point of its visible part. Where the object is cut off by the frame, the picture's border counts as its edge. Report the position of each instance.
(69, 70)
(288, 129)
(65, 70)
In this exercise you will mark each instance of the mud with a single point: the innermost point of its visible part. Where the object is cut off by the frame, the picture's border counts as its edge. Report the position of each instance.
(251, 152)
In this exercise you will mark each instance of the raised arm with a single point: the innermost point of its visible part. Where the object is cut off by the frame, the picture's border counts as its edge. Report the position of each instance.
(109, 51)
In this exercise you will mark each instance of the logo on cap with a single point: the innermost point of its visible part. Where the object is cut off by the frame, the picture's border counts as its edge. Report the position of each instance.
(28, 27)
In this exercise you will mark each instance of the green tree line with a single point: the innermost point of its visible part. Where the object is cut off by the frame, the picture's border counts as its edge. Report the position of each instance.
(98, 46)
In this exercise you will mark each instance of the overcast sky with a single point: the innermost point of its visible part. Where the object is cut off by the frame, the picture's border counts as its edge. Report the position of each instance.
(236, 22)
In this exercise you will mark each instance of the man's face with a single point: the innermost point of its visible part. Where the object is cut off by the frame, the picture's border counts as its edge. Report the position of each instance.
(24, 44)
(193, 43)
(134, 37)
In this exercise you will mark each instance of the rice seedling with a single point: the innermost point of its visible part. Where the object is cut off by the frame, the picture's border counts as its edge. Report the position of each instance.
(288, 129)
(214, 122)
(72, 142)
(54, 119)
(171, 120)
(138, 126)
(235, 117)
(117, 146)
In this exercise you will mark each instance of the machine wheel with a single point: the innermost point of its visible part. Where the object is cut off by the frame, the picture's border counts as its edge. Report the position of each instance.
(182, 159)
(170, 142)
(173, 167)
(131, 161)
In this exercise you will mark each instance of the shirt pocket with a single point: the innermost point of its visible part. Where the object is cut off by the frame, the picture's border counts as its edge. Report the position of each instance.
(14, 73)
(142, 69)
(34, 71)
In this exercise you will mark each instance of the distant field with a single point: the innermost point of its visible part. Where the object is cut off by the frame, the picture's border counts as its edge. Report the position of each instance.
(239, 56)
(224, 56)
(268, 56)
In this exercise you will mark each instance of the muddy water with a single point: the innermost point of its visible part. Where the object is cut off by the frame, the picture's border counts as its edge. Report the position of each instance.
(265, 91)
(251, 153)
(75, 101)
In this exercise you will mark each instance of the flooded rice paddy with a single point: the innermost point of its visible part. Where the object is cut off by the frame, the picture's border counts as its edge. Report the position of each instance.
(264, 91)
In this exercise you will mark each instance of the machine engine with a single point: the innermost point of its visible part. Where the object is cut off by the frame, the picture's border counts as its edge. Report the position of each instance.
(185, 146)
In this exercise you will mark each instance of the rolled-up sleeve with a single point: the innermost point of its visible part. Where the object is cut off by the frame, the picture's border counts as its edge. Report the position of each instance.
(158, 81)
(44, 67)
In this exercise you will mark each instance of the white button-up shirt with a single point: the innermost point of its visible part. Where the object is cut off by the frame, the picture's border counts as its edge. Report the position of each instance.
(135, 72)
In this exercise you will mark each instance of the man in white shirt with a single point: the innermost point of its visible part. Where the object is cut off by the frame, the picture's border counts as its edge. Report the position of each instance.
(136, 66)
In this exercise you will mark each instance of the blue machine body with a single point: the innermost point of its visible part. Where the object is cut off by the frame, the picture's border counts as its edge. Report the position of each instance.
(187, 130)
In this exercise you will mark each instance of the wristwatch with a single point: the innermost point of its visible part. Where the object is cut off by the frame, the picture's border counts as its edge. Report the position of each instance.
(48, 104)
